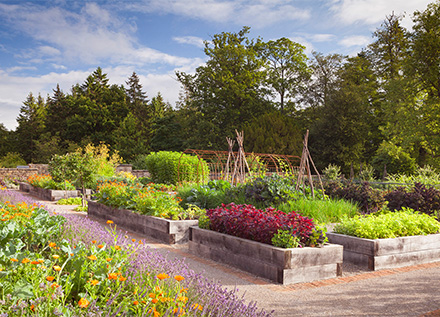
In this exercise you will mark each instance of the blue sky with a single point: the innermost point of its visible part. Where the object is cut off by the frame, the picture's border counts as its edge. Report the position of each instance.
(45, 42)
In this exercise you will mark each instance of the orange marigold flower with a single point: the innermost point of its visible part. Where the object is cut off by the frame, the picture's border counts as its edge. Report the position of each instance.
(109, 222)
(134, 240)
(93, 241)
(140, 242)
(92, 257)
(135, 302)
(57, 268)
(154, 300)
(152, 295)
(14, 260)
(122, 279)
(109, 259)
(35, 262)
(32, 307)
(94, 282)
(52, 244)
(50, 278)
(162, 276)
(41, 261)
(100, 246)
(118, 247)
(54, 285)
(179, 278)
(25, 260)
(113, 276)
(83, 303)
(56, 256)
(197, 306)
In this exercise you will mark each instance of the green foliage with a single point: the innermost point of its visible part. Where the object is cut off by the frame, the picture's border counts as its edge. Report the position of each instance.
(266, 191)
(69, 201)
(397, 161)
(321, 210)
(332, 172)
(318, 236)
(204, 222)
(173, 167)
(424, 175)
(273, 133)
(206, 196)
(285, 239)
(367, 173)
(406, 222)
(11, 160)
(287, 69)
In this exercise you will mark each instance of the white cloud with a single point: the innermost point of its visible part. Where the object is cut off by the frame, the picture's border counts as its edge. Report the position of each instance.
(373, 11)
(191, 40)
(322, 37)
(355, 40)
(258, 13)
(92, 37)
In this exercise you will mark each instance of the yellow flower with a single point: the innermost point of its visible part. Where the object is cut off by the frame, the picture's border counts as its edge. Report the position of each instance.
(56, 256)
(179, 278)
(109, 259)
(118, 247)
(162, 276)
(109, 222)
(57, 268)
(113, 276)
(25, 260)
(14, 260)
(83, 303)
(92, 257)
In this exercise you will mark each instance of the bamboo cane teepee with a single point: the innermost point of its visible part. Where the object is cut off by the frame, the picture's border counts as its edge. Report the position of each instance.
(304, 168)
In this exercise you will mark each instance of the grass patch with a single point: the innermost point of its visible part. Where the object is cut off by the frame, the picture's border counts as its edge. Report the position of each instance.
(322, 211)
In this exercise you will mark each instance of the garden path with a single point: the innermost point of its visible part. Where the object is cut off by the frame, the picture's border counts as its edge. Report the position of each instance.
(408, 291)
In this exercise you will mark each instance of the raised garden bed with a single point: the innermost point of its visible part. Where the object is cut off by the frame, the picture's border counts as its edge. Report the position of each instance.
(48, 194)
(285, 266)
(381, 254)
(168, 231)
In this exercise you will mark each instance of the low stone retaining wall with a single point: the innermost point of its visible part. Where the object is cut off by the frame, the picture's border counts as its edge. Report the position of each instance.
(285, 266)
(48, 194)
(381, 254)
(17, 173)
(168, 231)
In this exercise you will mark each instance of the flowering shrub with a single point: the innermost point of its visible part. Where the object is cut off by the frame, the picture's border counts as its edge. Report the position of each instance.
(46, 181)
(245, 221)
(144, 200)
(81, 268)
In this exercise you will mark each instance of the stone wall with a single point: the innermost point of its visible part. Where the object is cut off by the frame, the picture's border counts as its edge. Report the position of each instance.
(17, 173)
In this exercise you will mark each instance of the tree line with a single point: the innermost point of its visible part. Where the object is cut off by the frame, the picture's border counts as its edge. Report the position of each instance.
(380, 107)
